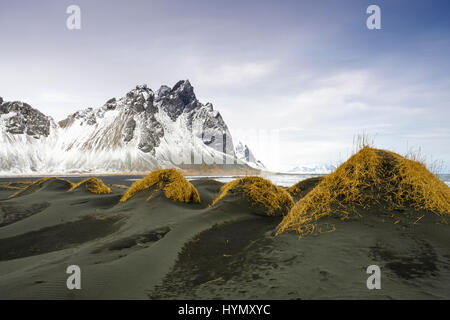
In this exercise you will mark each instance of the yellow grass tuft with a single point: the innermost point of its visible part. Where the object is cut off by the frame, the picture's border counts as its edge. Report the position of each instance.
(7, 187)
(297, 188)
(93, 185)
(370, 177)
(170, 181)
(18, 184)
(303, 186)
(35, 185)
(294, 189)
(259, 192)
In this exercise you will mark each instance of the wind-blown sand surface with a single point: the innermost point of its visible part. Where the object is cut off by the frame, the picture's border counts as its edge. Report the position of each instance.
(160, 249)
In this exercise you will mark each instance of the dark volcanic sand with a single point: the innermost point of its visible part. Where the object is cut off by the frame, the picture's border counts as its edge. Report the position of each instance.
(110, 179)
(161, 249)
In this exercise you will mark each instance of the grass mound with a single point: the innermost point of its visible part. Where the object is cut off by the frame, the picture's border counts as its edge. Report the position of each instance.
(7, 187)
(301, 188)
(260, 193)
(93, 185)
(371, 177)
(15, 185)
(39, 184)
(170, 181)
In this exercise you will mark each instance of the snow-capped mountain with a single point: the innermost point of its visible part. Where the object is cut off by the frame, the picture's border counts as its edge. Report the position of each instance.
(313, 169)
(244, 154)
(139, 132)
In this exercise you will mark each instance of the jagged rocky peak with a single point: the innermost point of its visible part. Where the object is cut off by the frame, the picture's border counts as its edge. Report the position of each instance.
(139, 99)
(210, 107)
(86, 116)
(181, 98)
(244, 153)
(185, 91)
(162, 91)
(111, 103)
(20, 118)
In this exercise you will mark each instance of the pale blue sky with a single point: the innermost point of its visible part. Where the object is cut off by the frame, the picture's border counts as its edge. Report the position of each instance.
(309, 69)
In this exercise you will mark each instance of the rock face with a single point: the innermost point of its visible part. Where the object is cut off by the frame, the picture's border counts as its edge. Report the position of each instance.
(179, 99)
(20, 118)
(141, 131)
(116, 124)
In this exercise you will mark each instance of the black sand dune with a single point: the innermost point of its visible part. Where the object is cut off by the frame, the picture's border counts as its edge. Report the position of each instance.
(138, 240)
(216, 256)
(88, 200)
(44, 185)
(208, 189)
(66, 235)
(11, 212)
(7, 191)
(242, 260)
(161, 249)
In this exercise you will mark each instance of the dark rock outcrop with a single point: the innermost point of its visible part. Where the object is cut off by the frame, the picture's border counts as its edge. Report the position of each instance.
(24, 119)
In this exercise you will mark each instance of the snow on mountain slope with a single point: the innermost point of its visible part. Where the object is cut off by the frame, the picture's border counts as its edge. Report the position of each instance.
(27, 138)
(313, 169)
(138, 132)
(244, 154)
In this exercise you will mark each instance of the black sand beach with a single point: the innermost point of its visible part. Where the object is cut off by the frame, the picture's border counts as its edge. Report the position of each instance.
(161, 249)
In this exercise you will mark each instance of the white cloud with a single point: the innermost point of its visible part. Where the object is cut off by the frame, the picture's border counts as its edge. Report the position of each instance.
(343, 92)
(233, 74)
(317, 122)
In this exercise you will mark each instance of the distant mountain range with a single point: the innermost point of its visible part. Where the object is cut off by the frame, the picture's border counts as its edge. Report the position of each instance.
(313, 169)
(139, 132)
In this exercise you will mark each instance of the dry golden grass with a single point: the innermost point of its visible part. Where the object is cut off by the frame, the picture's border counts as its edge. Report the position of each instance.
(93, 185)
(7, 187)
(294, 189)
(29, 187)
(19, 184)
(259, 192)
(370, 177)
(170, 181)
(34, 185)
(302, 187)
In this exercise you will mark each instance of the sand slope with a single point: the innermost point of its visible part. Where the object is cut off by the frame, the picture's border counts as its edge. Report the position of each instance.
(162, 249)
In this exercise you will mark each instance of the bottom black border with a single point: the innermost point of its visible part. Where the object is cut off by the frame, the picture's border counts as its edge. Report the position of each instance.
(221, 309)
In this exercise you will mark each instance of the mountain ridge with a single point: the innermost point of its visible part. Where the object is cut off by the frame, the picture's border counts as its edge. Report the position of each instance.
(141, 131)
(313, 169)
